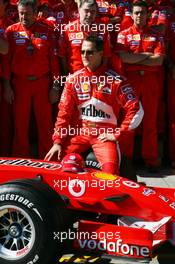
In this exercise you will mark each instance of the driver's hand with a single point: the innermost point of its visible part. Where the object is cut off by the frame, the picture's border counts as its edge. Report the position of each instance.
(55, 148)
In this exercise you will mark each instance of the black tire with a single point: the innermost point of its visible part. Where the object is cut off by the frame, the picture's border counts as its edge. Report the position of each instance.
(28, 221)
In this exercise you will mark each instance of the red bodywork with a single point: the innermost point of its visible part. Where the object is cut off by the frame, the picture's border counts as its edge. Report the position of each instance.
(153, 209)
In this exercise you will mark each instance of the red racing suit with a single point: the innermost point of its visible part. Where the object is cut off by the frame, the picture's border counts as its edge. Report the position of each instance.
(71, 41)
(98, 104)
(161, 19)
(161, 13)
(12, 11)
(61, 14)
(65, 13)
(141, 77)
(171, 92)
(32, 66)
(111, 8)
(5, 108)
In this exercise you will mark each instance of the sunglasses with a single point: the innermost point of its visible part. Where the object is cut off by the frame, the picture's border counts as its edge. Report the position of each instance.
(88, 52)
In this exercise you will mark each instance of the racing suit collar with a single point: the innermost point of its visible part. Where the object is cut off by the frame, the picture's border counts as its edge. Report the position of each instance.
(98, 72)
(29, 28)
(138, 30)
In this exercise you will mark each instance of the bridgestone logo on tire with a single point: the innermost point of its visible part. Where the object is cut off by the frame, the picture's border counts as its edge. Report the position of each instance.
(16, 198)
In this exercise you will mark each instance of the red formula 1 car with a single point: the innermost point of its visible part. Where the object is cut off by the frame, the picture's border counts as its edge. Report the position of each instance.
(42, 208)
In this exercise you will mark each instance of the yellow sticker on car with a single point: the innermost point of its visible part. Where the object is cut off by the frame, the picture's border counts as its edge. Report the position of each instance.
(105, 176)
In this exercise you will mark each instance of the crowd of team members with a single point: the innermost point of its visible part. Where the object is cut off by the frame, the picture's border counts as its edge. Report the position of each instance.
(138, 43)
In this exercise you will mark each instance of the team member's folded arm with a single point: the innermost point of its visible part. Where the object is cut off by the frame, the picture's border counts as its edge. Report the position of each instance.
(153, 60)
(131, 58)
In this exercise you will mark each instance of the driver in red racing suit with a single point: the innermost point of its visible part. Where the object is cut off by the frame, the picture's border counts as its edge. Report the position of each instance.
(98, 104)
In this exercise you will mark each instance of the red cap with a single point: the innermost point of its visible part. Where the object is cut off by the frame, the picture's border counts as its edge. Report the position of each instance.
(73, 163)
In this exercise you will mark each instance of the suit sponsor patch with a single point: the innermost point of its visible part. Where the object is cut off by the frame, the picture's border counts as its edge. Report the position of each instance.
(79, 35)
(83, 96)
(19, 35)
(103, 9)
(134, 43)
(136, 37)
(149, 38)
(85, 87)
(126, 89)
(43, 37)
(60, 14)
(98, 111)
(72, 36)
(91, 110)
(77, 87)
(20, 41)
(130, 96)
(107, 90)
(129, 37)
(39, 35)
(76, 41)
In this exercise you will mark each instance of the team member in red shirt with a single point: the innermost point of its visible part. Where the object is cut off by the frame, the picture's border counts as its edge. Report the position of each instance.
(31, 69)
(65, 11)
(61, 13)
(160, 19)
(12, 11)
(171, 92)
(3, 42)
(115, 13)
(143, 54)
(74, 34)
(98, 104)
(4, 22)
(5, 109)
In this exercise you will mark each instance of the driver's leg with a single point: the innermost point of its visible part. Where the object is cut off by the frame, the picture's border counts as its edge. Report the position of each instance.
(77, 144)
(108, 155)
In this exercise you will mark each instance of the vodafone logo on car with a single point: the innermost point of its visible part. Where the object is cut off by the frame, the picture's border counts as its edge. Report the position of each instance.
(76, 187)
(117, 247)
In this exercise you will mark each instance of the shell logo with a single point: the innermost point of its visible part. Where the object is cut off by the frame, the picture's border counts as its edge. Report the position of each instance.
(79, 35)
(85, 87)
(105, 176)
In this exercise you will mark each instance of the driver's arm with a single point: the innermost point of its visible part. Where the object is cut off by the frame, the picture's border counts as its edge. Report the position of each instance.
(66, 112)
(132, 107)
